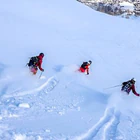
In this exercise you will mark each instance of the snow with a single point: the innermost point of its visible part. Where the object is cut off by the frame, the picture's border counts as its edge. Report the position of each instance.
(64, 104)
(127, 5)
(24, 105)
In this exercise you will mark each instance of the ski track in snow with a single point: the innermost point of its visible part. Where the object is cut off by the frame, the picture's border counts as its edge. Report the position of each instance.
(110, 129)
(107, 126)
(46, 87)
(10, 105)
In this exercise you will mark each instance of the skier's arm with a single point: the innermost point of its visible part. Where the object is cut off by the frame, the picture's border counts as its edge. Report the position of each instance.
(134, 91)
(39, 65)
(87, 69)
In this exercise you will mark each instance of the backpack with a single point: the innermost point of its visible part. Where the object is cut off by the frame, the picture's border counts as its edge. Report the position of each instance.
(33, 61)
(126, 86)
(84, 65)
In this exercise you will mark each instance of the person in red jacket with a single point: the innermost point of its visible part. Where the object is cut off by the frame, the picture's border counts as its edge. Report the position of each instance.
(85, 67)
(35, 63)
(128, 86)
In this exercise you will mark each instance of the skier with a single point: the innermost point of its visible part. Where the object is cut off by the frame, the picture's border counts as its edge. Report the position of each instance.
(35, 63)
(128, 86)
(85, 67)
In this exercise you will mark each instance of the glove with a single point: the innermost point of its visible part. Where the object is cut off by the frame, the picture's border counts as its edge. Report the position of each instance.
(87, 73)
(42, 70)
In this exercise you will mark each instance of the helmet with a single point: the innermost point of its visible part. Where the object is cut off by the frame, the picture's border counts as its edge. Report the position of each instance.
(133, 80)
(89, 61)
(42, 54)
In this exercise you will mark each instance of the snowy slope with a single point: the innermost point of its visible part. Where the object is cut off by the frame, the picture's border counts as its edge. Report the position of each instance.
(65, 104)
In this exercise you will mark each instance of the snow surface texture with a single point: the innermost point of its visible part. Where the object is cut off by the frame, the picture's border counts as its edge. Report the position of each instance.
(64, 104)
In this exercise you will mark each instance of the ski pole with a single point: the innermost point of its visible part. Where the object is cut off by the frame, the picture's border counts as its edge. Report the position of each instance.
(113, 86)
(40, 75)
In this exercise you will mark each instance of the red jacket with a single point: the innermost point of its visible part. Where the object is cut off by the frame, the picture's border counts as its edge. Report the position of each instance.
(133, 90)
(39, 62)
(85, 69)
(132, 87)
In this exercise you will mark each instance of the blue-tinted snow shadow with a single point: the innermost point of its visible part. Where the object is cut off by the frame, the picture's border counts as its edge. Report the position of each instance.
(2, 67)
(3, 82)
(58, 68)
(90, 95)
